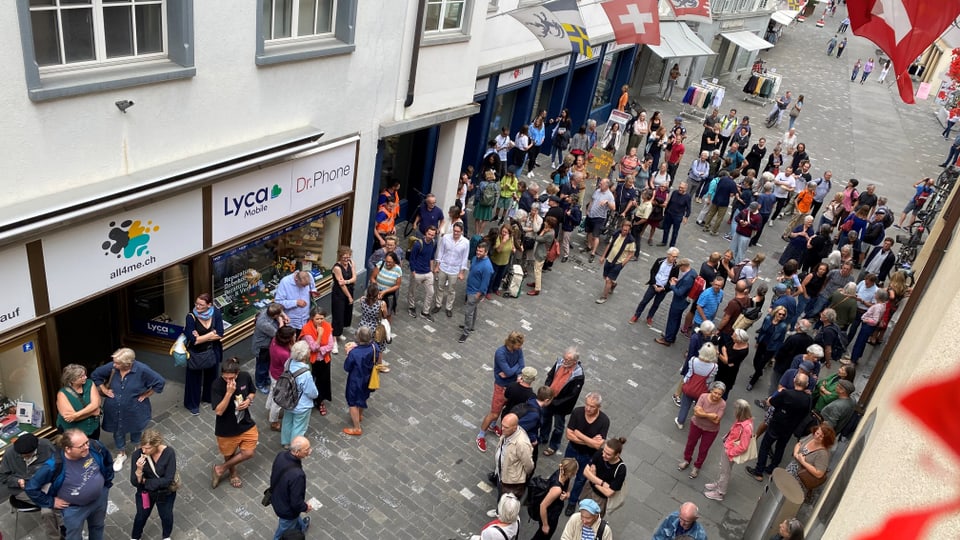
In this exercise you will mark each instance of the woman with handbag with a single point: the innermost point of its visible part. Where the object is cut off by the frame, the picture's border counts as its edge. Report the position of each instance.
(811, 457)
(373, 313)
(543, 244)
(704, 426)
(659, 202)
(126, 386)
(701, 370)
(318, 334)
(606, 474)
(359, 365)
(78, 404)
(738, 445)
(155, 476)
(553, 502)
(203, 330)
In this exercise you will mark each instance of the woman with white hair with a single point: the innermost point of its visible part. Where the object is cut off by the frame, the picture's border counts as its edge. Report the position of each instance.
(296, 420)
(707, 332)
(701, 370)
(507, 522)
(704, 426)
(126, 386)
(735, 443)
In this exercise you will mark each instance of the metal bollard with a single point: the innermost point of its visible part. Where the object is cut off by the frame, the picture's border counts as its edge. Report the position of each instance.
(780, 500)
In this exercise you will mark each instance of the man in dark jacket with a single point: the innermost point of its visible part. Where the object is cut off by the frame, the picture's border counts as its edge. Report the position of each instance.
(79, 486)
(880, 261)
(566, 379)
(793, 346)
(663, 270)
(16, 469)
(791, 406)
(676, 213)
(288, 485)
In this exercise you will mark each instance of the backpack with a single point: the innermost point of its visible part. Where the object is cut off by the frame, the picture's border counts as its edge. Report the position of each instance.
(887, 219)
(699, 285)
(838, 345)
(737, 269)
(489, 194)
(286, 393)
(537, 488)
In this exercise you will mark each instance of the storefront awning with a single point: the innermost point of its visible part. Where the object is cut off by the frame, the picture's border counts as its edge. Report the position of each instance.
(784, 16)
(747, 40)
(677, 40)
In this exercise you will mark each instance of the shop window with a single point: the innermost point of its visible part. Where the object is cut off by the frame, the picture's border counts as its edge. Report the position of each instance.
(19, 384)
(158, 304)
(245, 277)
(291, 30)
(605, 83)
(544, 95)
(81, 46)
(502, 114)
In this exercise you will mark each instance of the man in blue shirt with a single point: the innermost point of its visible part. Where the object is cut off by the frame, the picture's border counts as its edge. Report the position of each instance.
(709, 301)
(478, 280)
(421, 268)
(293, 293)
(428, 215)
(682, 524)
(735, 156)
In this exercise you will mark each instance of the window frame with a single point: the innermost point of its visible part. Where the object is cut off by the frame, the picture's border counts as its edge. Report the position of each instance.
(281, 50)
(79, 78)
(452, 35)
(295, 24)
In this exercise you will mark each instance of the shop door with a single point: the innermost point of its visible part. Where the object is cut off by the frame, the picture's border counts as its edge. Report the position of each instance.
(89, 333)
(409, 158)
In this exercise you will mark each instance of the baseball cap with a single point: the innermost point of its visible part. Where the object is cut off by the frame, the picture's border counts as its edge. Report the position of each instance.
(807, 366)
(528, 374)
(779, 288)
(847, 385)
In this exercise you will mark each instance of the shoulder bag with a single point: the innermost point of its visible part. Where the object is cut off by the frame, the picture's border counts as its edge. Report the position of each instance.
(175, 485)
(199, 359)
(749, 454)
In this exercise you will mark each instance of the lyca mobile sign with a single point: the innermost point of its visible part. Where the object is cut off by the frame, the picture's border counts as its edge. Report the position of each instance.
(254, 200)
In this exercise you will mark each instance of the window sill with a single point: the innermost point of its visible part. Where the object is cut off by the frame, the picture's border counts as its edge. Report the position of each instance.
(303, 50)
(89, 81)
(430, 40)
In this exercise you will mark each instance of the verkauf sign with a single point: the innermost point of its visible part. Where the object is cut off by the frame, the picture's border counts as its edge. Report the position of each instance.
(251, 201)
(16, 302)
(112, 250)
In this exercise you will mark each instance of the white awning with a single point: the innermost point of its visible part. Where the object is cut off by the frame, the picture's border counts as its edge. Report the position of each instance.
(784, 16)
(747, 40)
(678, 41)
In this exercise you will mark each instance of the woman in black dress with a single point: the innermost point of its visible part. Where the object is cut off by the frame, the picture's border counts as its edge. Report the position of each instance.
(344, 277)
(552, 505)
(730, 359)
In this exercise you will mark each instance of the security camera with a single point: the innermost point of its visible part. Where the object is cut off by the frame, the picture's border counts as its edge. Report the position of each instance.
(123, 105)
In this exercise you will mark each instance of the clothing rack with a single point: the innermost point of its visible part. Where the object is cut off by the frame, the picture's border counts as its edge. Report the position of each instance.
(762, 88)
(700, 97)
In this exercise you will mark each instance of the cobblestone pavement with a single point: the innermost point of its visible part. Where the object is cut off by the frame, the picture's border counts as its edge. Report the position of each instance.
(416, 472)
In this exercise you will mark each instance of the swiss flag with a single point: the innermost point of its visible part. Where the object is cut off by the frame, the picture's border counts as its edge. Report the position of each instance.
(903, 29)
(634, 21)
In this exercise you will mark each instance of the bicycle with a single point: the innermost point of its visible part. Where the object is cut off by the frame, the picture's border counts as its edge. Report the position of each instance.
(911, 242)
(408, 227)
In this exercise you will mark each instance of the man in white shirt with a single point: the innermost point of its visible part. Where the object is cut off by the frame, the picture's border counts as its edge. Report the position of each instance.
(601, 202)
(783, 185)
(503, 146)
(449, 267)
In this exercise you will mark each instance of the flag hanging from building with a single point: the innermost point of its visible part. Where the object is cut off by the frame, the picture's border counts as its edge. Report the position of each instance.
(903, 29)
(691, 10)
(557, 24)
(634, 21)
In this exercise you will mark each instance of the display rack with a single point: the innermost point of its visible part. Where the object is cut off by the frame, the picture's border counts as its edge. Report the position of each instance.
(753, 88)
(701, 97)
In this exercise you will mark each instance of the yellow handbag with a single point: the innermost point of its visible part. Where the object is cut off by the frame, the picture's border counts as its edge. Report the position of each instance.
(374, 378)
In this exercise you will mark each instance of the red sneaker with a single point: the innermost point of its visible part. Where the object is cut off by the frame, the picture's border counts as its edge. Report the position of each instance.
(633, 320)
(482, 444)
(649, 321)
(497, 430)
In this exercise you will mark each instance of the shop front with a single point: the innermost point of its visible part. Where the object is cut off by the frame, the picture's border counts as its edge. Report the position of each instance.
(128, 277)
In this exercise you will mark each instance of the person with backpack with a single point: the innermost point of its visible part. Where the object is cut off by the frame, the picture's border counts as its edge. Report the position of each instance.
(486, 200)
(587, 523)
(820, 192)
(288, 485)
(506, 525)
(701, 370)
(546, 497)
(831, 338)
(279, 354)
(295, 392)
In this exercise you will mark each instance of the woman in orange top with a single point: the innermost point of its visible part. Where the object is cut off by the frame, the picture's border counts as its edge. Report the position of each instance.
(318, 333)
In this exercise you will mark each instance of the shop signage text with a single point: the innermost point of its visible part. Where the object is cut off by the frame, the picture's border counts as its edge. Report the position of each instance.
(16, 303)
(159, 329)
(131, 245)
(254, 200)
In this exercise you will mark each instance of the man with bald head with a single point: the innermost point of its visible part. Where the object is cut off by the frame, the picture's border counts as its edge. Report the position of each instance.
(514, 457)
(681, 524)
(790, 407)
(288, 485)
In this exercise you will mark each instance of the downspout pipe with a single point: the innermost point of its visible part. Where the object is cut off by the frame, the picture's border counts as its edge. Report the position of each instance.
(415, 54)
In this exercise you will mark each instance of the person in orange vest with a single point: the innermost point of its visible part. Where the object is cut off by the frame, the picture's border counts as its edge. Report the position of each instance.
(390, 193)
(386, 221)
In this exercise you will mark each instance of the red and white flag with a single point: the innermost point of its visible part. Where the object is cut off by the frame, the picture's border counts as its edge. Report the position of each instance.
(634, 21)
(692, 10)
(903, 29)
